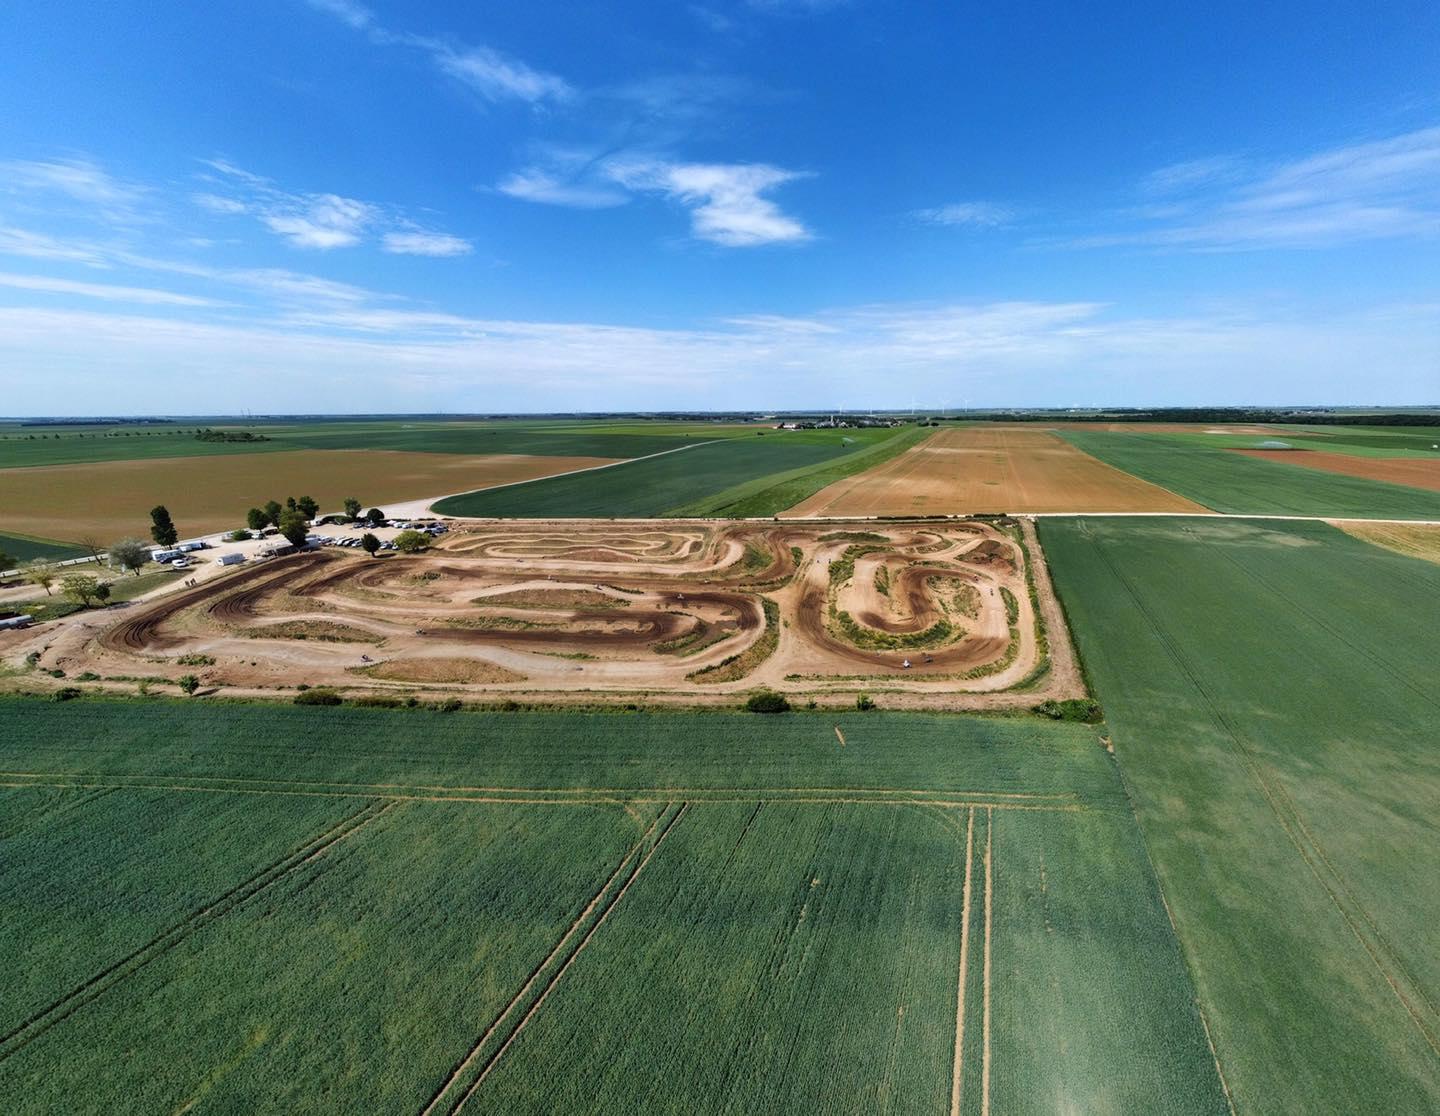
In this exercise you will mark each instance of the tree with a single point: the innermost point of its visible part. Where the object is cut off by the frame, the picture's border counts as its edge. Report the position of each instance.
(80, 588)
(238, 536)
(375, 517)
(257, 519)
(308, 507)
(352, 507)
(369, 544)
(102, 592)
(411, 541)
(272, 513)
(91, 545)
(129, 554)
(162, 529)
(189, 683)
(293, 526)
(41, 573)
(290, 504)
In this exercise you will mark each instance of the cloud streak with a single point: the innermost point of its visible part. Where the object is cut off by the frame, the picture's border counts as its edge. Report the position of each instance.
(1375, 190)
(492, 74)
(321, 222)
(727, 202)
(971, 214)
(998, 353)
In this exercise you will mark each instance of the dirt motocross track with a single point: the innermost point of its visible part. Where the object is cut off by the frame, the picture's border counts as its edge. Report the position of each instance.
(940, 613)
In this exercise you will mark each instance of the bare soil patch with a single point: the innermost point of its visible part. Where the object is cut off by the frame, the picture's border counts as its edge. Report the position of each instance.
(1415, 472)
(211, 494)
(991, 470)
(706, 616)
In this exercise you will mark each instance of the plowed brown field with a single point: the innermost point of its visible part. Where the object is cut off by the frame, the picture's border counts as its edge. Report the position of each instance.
(1416, 472)
(207, 494)
(991, 469)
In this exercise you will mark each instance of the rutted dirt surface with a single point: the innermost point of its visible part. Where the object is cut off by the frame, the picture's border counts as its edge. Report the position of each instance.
(1415, 472)
(992, 470)
(931, 614)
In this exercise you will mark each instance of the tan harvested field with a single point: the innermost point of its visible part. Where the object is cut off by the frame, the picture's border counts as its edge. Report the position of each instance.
(1416, 472)
(1418, 540)
(931, 615)
(991, 469)
(208, 494)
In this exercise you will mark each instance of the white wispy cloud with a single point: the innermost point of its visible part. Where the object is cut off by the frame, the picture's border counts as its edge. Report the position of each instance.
(972, 214)
(323, 221)
(726, 201)
(38, 246)
(1000, 353)
(535, 184)
(419, 243)
(353, 15)
(491, 73)
(1372, 190)
(80, 180)
(106, 291)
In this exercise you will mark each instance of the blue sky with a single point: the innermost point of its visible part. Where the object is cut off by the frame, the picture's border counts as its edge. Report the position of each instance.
(324, 205)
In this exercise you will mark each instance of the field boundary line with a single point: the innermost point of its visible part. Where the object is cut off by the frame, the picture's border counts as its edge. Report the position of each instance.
(97, 985)
(958, 1065)
(568, 798)
(380, 789)
(594, 928)
(1285, 814)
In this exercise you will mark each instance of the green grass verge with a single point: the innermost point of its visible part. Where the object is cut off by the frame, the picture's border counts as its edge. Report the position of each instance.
(1232, 482)
(1270, 687)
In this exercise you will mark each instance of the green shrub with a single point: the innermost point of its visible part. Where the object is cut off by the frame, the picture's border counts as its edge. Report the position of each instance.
(864, 703)
(317, 697)
(451, 705)
(1084, 710)
(378, 701)
(68, 693)
(767, 701)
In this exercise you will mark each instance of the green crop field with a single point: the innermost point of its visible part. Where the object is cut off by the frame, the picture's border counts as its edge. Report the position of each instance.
(23, 548)
(1399, 441)
(1271, 690)
(24, 446)
(708, 479)
(775, 493)
(277, 909)
(1233, 483)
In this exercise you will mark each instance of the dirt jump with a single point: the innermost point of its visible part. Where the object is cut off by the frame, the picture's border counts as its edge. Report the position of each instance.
(935, 614)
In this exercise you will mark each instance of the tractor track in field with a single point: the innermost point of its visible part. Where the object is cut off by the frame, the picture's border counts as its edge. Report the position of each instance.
(470, 1056)
(1286, 815)
(665, 827)
(20, 1036)
(957, 1070)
